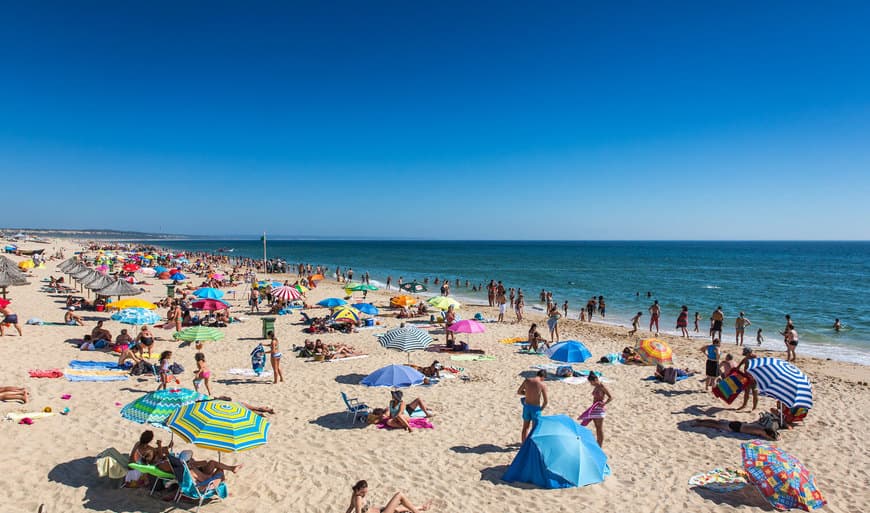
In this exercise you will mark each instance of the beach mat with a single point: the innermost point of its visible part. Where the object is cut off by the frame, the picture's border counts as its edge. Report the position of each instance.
(250, 373)
(45, 373)
(76, 375)
(473, 358)
(416, 423)
(92, 365)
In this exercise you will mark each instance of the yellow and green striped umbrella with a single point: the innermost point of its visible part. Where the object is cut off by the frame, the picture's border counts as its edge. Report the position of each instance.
(198, 334)
(219, 425)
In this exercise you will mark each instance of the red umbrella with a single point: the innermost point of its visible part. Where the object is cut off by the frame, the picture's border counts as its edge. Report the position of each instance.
(4, 302)
(210, 305)
(130, 268)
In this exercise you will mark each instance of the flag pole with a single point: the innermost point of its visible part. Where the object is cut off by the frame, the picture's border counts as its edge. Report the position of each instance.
(265, 269)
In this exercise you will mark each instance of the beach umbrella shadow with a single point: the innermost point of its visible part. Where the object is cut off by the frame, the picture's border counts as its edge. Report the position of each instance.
(349, 379)
(711, 433)
(747, 496)
(494, 474)
(675, 393)
(337, 421)
(481, 449)
(101, 494)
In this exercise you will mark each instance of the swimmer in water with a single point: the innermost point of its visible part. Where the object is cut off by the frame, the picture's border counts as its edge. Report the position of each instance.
(837, 325)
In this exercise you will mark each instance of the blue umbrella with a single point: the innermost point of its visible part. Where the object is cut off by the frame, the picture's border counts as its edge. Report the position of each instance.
(559, 453)
(366, 308)
(177, 277)
(160, 269)
(781, 380)
(208, 293)
(394, 376)
(569, 351)
(332, 302)
(262, 283)
(137, 316)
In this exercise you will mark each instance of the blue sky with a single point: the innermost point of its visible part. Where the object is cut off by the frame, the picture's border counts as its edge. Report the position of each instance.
(504, 120)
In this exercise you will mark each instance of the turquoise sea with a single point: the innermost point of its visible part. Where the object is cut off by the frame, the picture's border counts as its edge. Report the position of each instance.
(814, 282)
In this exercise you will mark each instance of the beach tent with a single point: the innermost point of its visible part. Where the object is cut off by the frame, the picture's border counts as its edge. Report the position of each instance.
(559, 453)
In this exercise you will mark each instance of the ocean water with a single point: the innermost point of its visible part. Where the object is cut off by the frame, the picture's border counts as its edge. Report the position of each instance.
(814, 282)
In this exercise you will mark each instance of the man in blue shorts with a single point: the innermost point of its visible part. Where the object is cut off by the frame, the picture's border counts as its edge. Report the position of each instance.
(534, 400)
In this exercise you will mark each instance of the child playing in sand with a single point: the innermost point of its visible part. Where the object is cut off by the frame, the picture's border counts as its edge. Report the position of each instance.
(635, 321)
(202, 373)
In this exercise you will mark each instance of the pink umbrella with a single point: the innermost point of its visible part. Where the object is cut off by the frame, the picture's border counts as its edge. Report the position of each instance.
(103, 268)
(217, 276)
(286, 293)
(210, 305)
(467, 326)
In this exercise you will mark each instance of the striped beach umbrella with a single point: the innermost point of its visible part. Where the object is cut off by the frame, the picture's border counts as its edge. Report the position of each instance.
(198, 334)
(782, 381)
(301, 288)
(286, 293)
(783, 480)
(156, 407)
(219, 425)
(208, 293)
(654, 352)
(345, 314)
(136, 316)
(405, 339)
(360, 287)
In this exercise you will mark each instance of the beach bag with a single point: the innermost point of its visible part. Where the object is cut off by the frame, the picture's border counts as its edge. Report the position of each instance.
(729, 387)
(142, 367)
(176, 368)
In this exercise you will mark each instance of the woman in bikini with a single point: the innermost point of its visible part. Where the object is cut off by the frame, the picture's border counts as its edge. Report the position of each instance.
(145, 339)
(359, 503)
(595, 414)
(202, 373)
(275, 357)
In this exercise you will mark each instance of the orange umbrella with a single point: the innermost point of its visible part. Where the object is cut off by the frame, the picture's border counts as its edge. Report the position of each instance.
(400, 301)
(316, 277)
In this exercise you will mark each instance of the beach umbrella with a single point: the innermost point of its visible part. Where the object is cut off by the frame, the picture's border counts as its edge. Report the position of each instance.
(569, 351)
(136, 316)
(100, 282)
(216, 276)
(558, 453)
(467, 326)
(155, 408)
(402, 301)
(210, 305)
(359, 287)
(147, 271)
(130, 268)
(345, 314)
(654, 352)
(783, 480)
(263, 283)
(285, 293)
(316, 277)
(332, 302)
(198, 334)
(82, 272)
(131, 303)
(208, 293)
(160, 269)
(119, 288)
(443, 302)
(366, 308)
(177, 277)
(413, 287)
(405, 339)
(782, 381)
(301, 288)
(393, 376)
(219, 425)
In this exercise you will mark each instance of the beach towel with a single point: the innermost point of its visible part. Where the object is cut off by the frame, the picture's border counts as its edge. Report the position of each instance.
(258, 359)
(77, 375)
(92, 365)
(112, 463)
(346, 358)
(596, 411)
(17, 416)
(415, 423)
(730, 387)
(529, 351)
(612, 358)
(473, 358)
(720, 480)
(45, 373)
(513, 340)
(249, 373)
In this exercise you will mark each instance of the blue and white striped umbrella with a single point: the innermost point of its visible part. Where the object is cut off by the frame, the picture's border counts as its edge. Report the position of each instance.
(405, 339)
(782, 381)
(137, 316)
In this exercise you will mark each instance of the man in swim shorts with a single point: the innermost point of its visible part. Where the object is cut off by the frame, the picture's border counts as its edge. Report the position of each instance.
(11, 318)
(534, 400)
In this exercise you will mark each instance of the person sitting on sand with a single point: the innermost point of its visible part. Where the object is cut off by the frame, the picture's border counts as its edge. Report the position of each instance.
(630, 357)
(146, 454)
(397, 504)
(749, 428)
(397, 402)
(535, 338)
(100, 333)
(124, 339)
(11, 393)
(670, 374)
(71, 319)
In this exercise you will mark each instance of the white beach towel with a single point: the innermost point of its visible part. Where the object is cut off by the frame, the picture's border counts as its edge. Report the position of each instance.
(250, 373)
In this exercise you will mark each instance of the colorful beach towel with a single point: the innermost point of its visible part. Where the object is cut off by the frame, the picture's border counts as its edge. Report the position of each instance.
(730, 387)
(258, 359)
(357, 357)
(473, 358)
(596, 411)
(45, 373)
(92, 365)
(76, 375)
(415, 423)
(720, 480)
(250, 373)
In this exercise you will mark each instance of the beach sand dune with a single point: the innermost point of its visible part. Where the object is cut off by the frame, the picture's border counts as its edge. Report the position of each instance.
(315, 454)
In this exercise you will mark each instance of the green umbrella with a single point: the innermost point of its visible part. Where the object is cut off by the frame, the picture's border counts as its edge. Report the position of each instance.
(198, 333)
(360, 287)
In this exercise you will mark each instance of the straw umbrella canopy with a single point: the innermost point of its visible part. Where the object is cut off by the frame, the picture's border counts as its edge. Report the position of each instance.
(67, 264)
(8, 278)
(119, 288)
(100, 282)
(82, 273)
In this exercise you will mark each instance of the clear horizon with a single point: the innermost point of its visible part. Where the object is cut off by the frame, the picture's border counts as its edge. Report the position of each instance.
(455, 121)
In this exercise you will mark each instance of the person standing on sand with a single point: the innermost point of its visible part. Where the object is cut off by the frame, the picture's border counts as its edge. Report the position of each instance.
(791, 342)
(10, 317)
(635, 321)
(565, 308)
(740, 325)
(654, 311)
(595, 413)
(534, 400)
(683, 321)
(389, 280)
(553, 316)
(712, 368)
(751, 386)
(513, 296)
(718, 317)
(275, 357)
(255, 298)
(518, 307)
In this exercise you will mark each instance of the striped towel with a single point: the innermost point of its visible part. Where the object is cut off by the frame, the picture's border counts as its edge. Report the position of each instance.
(86, 364)
(95, 375)
(596, 411)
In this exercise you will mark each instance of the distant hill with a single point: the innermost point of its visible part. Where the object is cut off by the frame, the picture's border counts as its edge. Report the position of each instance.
(91, 234)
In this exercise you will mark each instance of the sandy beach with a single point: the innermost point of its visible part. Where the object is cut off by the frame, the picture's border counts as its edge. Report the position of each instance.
(315, 454)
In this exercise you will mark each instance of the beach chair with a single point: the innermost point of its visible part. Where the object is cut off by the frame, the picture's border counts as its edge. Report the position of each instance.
(355, 408)
(156, 473)
(190, 489)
